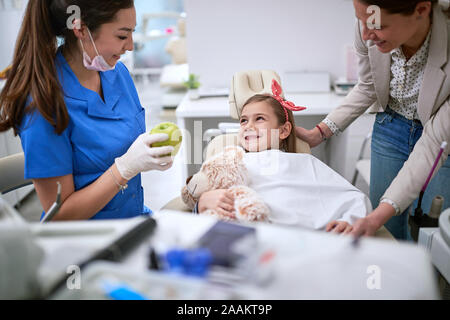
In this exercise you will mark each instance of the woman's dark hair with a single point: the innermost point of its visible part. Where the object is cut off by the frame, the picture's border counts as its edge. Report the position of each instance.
(288, 144)
(405, 7)
(33, 72)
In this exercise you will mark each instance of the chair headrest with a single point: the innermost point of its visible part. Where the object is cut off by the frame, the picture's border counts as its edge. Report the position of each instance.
(246, 84)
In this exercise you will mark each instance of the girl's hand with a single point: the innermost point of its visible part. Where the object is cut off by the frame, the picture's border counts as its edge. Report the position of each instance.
(339, 227)
(312, 137)
(221, 201)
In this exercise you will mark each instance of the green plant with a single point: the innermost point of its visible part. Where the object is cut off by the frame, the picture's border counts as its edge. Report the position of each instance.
(192, 83)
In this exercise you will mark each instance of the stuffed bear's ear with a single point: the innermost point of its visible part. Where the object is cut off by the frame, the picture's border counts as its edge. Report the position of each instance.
(240, 152)
(236, 152)
(228, 148)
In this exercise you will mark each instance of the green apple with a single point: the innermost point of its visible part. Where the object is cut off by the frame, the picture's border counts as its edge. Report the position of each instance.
(174, 134)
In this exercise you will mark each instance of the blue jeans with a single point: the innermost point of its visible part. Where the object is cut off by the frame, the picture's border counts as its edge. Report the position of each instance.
(393, 139)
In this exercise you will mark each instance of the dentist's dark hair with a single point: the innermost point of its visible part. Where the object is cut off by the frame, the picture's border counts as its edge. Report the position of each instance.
(405, 7)
(33, 73)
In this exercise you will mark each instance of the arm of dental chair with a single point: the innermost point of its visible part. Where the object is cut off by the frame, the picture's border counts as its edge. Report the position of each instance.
(176, 204)
(12, 177)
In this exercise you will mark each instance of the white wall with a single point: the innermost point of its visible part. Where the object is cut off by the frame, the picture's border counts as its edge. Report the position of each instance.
(10, 22)
(226, 36)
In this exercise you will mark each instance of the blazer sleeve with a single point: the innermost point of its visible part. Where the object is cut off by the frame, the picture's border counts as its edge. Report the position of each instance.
(363, 94)
(407, 185)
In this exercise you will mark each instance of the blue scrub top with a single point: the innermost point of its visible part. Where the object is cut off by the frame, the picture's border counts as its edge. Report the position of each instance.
(98, 132)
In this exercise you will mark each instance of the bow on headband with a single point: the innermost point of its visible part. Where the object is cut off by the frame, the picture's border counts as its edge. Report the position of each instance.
(276, 91)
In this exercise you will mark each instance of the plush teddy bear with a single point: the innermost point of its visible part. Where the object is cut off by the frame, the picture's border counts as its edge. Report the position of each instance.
(227, 170)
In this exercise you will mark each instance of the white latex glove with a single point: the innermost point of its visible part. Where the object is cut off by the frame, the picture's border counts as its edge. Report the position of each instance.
(141, 157)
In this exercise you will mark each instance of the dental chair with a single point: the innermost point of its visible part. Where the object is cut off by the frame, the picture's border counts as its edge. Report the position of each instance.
(11, 178)
(243, 86)
(11, 173)
(20, 256)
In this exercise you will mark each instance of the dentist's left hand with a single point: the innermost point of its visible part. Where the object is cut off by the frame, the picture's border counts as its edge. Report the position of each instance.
(141, 156)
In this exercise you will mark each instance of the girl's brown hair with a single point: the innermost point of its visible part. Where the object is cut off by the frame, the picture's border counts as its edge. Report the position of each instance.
(288, 144)
(33, 73)
(405, 7)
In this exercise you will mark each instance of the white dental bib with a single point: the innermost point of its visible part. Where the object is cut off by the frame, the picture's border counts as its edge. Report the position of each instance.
(301, 190)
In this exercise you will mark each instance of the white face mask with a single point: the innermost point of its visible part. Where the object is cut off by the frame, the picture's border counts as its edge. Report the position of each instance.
(98, 63)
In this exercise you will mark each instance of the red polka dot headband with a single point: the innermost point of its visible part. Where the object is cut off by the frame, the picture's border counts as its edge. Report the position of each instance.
(287, 105)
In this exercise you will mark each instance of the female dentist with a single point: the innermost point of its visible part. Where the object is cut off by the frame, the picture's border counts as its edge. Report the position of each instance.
(405, 75)
(77, 111)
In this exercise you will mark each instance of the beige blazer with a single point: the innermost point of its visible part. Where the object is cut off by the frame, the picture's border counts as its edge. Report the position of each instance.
(372, 91)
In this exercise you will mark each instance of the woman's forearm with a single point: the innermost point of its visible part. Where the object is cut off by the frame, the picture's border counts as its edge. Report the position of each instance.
(381, 215)
(326, 130)
(85, 203)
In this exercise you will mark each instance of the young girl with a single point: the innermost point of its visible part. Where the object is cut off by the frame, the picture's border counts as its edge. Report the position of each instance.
(77, 111)
(266, 128)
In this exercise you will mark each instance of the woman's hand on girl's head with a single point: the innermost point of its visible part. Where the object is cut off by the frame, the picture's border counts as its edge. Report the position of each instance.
(312, 137)
(339, 227)
(221, 201)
